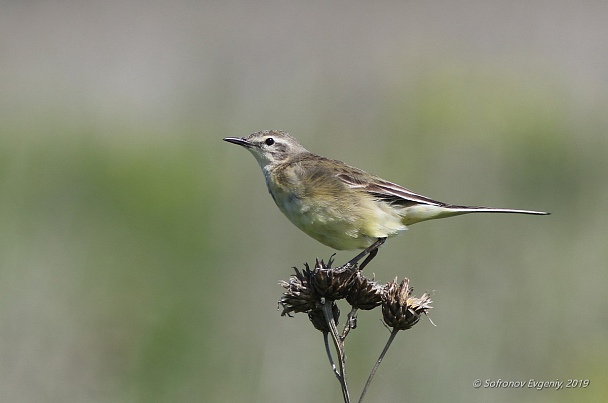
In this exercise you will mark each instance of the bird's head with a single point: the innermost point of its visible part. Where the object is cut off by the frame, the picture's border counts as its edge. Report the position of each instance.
(269, 147)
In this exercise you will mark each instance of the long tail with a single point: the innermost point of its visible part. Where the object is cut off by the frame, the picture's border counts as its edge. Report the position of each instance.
(475, 209)
(423, 212)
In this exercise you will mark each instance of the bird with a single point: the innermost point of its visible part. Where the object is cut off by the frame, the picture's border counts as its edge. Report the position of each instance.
(341, 206)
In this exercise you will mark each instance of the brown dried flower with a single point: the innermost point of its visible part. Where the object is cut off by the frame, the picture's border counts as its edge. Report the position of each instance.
(317, 317)
(299, 296)
(330, 283)
(400, 310)
(306, 288)
(364, 293)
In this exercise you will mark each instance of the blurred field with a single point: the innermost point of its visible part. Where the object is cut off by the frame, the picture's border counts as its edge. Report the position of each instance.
(140, 254)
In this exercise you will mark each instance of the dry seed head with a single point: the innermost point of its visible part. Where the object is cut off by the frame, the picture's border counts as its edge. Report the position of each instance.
(364, 293)
(306, 288)
(298, 296)
(328, 283)
(399, 309)
(317, 317)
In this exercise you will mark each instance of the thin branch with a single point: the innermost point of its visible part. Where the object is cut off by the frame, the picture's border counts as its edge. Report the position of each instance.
(371, 375)
(351, 322)
(331, 360)
(327, 311)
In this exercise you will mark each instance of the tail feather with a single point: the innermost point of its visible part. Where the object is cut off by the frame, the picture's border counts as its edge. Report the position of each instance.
(422, 212)
(476, 209)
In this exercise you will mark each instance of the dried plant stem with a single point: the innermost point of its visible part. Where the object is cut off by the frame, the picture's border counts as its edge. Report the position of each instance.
(351, 322)
(327, 311)
(331, 359)
(371, 375)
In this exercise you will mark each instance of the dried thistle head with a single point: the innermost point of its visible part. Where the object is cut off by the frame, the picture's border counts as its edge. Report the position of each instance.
(298, 296)
(317, 317)
(329, 283)
(399, 309)
(306, 288)
(364, 293)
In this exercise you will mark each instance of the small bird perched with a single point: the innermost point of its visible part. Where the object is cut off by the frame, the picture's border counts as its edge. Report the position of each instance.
(339, 205)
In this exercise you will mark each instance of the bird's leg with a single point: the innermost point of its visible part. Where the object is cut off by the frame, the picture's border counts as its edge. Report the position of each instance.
(371, 252)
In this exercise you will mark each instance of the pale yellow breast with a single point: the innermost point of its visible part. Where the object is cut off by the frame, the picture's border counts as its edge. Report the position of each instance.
(340, 218)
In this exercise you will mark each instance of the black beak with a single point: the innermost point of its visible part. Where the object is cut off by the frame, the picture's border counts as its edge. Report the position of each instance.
(240, 141)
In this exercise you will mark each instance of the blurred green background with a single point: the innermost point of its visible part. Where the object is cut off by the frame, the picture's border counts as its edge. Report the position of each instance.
(140, 254)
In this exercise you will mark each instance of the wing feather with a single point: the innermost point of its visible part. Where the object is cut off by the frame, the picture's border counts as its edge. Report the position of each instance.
(384, 190)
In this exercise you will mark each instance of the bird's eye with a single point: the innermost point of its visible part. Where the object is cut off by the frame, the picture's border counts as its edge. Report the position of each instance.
(269, 141)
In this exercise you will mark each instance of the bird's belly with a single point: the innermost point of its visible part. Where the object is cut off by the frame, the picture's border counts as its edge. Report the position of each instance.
(337, 225)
